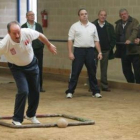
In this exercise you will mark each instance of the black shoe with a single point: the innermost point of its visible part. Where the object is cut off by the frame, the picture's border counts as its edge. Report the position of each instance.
(106, 89)
(42, 90)
(89, 90)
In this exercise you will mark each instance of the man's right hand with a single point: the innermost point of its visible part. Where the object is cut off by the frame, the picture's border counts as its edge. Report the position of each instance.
(71, 56)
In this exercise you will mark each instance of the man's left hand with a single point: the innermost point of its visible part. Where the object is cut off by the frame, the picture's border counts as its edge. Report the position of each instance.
(52, 49)
(127, 42)
(100, 56)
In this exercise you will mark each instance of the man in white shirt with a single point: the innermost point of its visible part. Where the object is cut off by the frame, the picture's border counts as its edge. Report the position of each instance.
(85, 37)
(17, 48)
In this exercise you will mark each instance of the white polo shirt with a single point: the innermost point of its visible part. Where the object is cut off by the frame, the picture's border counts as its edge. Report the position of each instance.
(83, 36)
(19, 53)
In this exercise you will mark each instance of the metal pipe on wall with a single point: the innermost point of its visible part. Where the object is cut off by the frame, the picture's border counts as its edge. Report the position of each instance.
(28, 5)
(18, 11)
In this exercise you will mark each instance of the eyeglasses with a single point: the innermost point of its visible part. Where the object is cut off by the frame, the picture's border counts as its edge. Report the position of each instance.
(31, 15)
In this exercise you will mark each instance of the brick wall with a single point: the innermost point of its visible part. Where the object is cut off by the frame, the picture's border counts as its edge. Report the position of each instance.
(7, 14)
(61, 15)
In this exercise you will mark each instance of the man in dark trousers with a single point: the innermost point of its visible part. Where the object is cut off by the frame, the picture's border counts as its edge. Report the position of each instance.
(85, 37)
(16, 46)
(37, 45)
(126, 32)
(107, 39)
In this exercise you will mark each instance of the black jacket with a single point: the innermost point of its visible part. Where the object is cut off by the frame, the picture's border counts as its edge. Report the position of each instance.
(110, 35)
(130, 33)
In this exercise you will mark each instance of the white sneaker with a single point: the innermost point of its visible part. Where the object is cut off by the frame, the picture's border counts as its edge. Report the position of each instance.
(97, 95)
(69, 95)
(16, 123)
(33, 119)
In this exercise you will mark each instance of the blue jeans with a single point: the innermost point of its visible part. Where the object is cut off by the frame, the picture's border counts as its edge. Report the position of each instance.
(27, 82)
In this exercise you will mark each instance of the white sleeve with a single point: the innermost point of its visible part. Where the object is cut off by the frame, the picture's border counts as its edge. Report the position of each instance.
(96, 37)
(32, 34)
(71, 33)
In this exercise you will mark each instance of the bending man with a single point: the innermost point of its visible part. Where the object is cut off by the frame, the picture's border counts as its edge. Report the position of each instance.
(17, 48)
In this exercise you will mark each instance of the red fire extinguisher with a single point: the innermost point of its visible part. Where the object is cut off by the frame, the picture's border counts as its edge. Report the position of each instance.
(44, 15)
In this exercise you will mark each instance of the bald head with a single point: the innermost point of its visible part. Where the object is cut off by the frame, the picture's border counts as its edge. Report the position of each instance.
(102, 14)
(14, 31)
(30, 16)
(102, 11)
(11, 24)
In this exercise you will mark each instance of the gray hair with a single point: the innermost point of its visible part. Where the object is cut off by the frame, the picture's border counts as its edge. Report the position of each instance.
(28, 12)
(122, 10)
(11, 23)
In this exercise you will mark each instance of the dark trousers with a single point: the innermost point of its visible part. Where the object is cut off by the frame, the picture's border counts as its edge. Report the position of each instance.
(39, 55)
(27, 81)
(103, 68)
(129, 61)
(83, 56)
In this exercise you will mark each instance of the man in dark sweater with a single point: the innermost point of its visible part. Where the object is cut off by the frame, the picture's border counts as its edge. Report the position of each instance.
(37, 45)
(107, 42)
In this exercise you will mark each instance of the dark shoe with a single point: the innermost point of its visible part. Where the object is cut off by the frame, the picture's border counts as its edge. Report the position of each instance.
(106, 89)
(89, 90)
(42, 90)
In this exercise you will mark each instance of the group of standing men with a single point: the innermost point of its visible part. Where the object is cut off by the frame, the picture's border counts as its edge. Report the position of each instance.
(102, 36)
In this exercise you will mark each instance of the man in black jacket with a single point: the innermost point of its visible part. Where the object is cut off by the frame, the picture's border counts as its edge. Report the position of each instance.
(37, 45)
(126, 32)
(107, 42)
